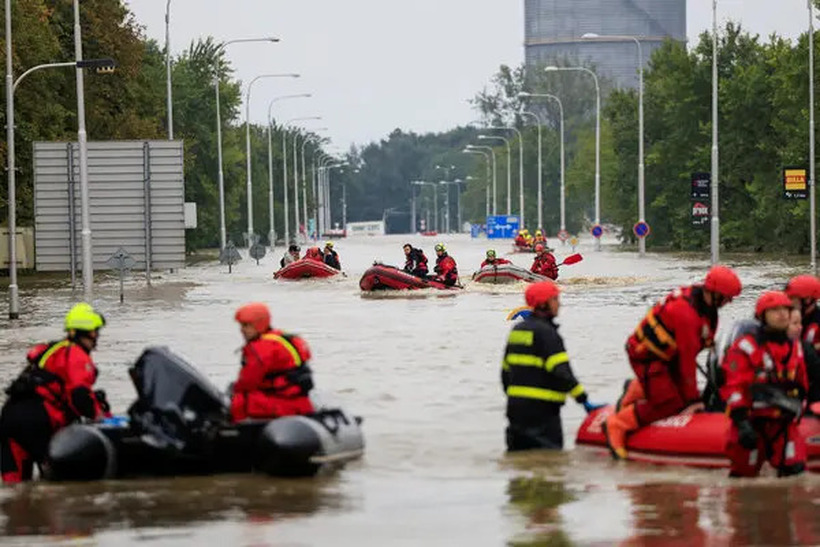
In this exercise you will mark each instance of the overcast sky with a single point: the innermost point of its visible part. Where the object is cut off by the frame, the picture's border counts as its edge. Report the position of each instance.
(377, 65)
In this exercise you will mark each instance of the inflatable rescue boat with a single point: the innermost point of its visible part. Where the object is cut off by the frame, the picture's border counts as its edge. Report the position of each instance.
(180, 425)
(304, 269)
(506, 273)
(380, 277)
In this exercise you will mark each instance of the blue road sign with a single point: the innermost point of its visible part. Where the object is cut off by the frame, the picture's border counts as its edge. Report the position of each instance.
(502, 226)
(597, 231)
(641, 229)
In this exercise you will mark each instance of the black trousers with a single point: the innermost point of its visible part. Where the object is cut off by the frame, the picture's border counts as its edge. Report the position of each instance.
(548, 434)
(25, 431)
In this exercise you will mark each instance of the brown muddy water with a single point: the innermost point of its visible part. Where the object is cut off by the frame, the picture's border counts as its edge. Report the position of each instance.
(424, 374)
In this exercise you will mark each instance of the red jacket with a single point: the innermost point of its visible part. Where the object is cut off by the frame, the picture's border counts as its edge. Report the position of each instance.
(752, 361)
(446, 270)
(674, 331)
(68, 375)
(521, 241)
(811, 329)
(544, 264)
(266, 387)
(496, 262)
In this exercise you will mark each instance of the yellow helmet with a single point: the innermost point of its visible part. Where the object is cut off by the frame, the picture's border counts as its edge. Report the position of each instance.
(526, 231)
(538, 232)
(440, 247)
(329, 244)
(83, 317)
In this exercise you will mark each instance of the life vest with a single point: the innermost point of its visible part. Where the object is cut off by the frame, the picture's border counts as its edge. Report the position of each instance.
(656, 341)
(281, 382)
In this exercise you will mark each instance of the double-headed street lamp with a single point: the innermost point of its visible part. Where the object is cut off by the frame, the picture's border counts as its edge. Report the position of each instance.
(597, 139)
(272, 234)
(563, 181)
(435, 200)
(446, 183)
(221, 173)
(249, 177)
(491, 150)
(641, 188)
(488, 179)
(509, 170)
(520, 166)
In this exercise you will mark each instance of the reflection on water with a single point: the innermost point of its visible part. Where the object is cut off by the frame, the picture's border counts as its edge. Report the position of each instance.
(539, 501)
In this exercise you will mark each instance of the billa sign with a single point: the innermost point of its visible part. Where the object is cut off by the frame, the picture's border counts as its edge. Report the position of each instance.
(795, 183)
(701, 186)
(700, 214)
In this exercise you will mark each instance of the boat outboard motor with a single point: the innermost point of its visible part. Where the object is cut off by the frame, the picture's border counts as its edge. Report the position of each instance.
(714, 380)
(177, 408)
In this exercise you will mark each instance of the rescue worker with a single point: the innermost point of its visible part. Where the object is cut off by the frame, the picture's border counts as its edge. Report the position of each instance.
(492, 260)
(544, 262)
(536, 374)
(539, 238)
(446, 268)
(291, 256)
(415, 261)
(521, 240)
(275, 378)
(314, 253)
(804, 290)
(55, 389)
(662, 352)
(331, 257)
(811, 357)
(764, 390)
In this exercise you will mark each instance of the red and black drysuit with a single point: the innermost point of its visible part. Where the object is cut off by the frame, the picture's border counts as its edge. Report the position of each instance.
(495, 262)
(446, 270)
(763, 431)
(663, 350)
(545, 264)
(332, 259)
(811, 353)
(416, 263)
(275, 378)
(54, 390)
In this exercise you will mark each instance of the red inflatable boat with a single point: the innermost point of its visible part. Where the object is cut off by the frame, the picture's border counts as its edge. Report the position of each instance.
(695, 440)
(381, 277)
(304, 269)
(506, 273)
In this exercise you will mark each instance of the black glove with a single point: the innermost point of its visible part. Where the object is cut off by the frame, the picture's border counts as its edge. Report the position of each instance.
(102, 400)
(746, 434)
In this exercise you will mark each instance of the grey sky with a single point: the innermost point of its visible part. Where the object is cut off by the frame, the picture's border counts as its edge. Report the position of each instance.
(375, 65)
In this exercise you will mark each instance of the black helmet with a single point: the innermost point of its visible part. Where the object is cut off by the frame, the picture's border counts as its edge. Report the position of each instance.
(294, 249)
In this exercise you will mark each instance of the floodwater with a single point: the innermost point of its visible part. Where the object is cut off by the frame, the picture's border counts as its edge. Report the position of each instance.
(423, 372)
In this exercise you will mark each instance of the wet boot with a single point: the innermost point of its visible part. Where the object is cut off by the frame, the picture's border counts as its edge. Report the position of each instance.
(633, 392)
(617, 427)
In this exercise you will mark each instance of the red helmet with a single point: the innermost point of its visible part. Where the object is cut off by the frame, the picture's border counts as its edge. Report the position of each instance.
(771, 299)
(723, 281)
(255, 314)
(803, 287)
(539, 293)
(539, 248)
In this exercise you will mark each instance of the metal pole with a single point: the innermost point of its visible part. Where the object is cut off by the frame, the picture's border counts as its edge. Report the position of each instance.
(296, 186)
(14, 303)
(563, 170)
(715, 235)
(458, 207)
(540, 173)
(447, 207)
(85, 202)
(272, 232)
(812, 195)
(509, 178)
(223, 237)
(435, 207)
(315, 183)
(285, 182)
(304, 187)
(249, 177)
(412, 208)
(168, 70)
(641, 187)
(344, 206)
(597, 157)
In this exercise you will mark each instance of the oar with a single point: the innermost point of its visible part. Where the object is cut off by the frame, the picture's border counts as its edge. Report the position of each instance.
(572, 259)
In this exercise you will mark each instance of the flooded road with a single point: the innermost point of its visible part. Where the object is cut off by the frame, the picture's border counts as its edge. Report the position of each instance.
(423, 372)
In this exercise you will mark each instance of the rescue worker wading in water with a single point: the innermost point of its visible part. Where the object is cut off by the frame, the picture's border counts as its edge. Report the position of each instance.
(415, 261)
(54, 390)
(764, 390)
(275, 378)
(662, 352)
(536, 375)
(804, 290)
(446, 269)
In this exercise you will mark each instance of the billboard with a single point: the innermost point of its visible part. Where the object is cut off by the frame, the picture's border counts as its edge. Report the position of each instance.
(503, 226)
(700, 213)
(795, 183)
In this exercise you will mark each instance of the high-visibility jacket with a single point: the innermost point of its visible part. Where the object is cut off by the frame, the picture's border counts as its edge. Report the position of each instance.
(275, 378)
(762, 358)
(536, 374)
(674, 331)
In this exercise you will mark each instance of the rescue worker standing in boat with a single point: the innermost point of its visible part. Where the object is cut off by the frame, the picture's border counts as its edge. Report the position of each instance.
(54, 390)
(662, 352)
(446, 268)
(765, 391)
(536, 375)
(275, 378)
(415, 261)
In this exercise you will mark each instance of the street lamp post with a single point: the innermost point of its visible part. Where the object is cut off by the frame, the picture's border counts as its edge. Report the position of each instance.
(487, 185)
(509, 170)
(310, 138)
(170, 106)
(435, 201)
(249, 177)
(272, 234)
(715, 227)
(491, 150)
(520, 167)
(597, 140)
(563, 181)
(447, 170)
(812, 188)
(285, 172)
(220, 169)
(538, 124)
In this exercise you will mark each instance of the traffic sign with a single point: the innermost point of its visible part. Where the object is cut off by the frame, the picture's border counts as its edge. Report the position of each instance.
(563, 235)
(641, 229)
(502, 227)
(597, 231)
(257, 252)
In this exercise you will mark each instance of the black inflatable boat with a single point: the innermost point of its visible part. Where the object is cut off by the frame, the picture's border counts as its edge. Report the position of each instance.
(180, 425)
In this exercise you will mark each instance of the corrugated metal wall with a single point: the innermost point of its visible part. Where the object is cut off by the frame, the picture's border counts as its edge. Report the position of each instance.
(117, 173)
(553, 29)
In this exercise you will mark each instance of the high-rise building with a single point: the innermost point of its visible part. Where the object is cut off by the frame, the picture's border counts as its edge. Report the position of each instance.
(554, 29)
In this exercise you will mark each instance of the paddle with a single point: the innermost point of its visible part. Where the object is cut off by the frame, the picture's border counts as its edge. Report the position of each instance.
(572, 259)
